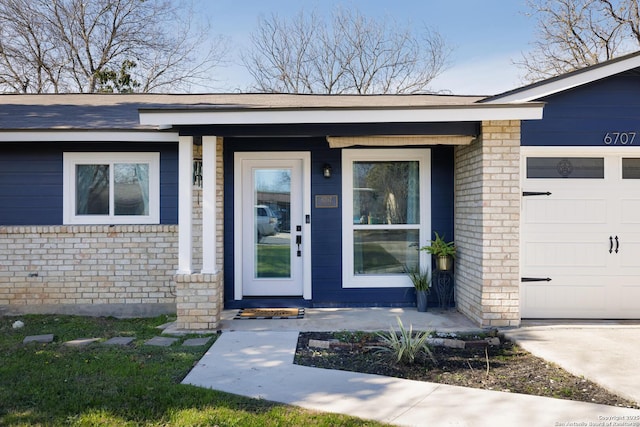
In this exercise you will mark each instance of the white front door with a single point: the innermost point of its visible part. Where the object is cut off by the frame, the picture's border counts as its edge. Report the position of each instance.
(272, 225)
(580, 236)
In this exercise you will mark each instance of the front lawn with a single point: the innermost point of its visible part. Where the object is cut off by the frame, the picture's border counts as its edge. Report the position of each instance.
(134, 385)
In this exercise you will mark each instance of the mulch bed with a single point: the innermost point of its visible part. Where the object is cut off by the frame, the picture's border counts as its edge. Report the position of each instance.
(506, 367)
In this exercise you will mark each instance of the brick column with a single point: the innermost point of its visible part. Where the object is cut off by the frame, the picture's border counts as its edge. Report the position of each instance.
(199, 296)
(199, 301)
(487, 225)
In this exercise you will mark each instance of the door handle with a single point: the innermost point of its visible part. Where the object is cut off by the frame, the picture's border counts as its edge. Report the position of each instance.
(617, 244)
(299, 242)
(610, 244)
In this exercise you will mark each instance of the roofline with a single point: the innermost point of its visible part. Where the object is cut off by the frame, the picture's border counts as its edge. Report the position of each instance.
(52, 135)
(567, 81)
(165, 118)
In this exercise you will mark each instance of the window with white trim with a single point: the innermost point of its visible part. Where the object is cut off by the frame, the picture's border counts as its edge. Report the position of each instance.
(386, 214)
(111, 188)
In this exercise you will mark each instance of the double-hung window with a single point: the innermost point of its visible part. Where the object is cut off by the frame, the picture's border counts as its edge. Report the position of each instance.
(386, 215)
(111, 188)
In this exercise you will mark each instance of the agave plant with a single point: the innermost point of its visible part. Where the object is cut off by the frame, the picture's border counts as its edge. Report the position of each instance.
(404, 344)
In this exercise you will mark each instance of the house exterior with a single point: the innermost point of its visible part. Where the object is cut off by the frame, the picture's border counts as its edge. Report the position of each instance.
(581, 194)
(147, 204)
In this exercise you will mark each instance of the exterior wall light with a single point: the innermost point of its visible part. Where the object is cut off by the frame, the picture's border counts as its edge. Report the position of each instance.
(326, 170)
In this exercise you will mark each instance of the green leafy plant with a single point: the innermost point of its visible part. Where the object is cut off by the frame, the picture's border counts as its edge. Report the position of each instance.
(353, 337)
(421, 278)
(405, 345)
(439, 247)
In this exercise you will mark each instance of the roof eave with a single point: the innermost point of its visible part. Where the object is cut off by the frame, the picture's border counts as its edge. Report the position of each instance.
(567, 81)
(165, 118)
(82, 135)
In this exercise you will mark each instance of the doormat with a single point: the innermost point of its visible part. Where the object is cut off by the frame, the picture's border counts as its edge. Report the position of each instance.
(270, 313)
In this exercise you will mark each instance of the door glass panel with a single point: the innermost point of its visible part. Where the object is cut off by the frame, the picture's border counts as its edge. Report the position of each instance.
(631, 168)
(272, 206)
(565, 167)
(385, 251)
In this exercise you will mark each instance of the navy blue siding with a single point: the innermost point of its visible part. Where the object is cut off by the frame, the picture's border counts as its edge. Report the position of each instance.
(583, 116)
(327, 223)
(31, 179)
(30, 184)
(442, 182)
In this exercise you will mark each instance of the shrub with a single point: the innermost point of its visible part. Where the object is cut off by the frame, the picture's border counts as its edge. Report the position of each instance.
(405, 345)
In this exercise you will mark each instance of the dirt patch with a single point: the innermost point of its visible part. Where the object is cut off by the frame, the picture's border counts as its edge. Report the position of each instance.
(505, 367)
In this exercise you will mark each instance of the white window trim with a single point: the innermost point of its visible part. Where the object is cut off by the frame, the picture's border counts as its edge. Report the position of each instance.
(423, 156)
(70, 160)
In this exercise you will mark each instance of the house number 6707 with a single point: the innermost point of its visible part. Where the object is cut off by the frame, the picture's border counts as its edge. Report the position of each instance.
(624, 138)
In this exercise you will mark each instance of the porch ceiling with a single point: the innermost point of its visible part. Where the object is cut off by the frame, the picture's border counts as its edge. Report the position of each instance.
(398, 140)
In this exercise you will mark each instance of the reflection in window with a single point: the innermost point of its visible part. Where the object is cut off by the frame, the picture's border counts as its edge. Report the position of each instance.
(92, 190)
(386, 193)
(385, 251)
(131, 189)
(272, 200)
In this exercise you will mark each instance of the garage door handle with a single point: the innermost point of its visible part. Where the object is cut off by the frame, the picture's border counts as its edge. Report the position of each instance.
(535, 193)
(617, 244)
(610, 244)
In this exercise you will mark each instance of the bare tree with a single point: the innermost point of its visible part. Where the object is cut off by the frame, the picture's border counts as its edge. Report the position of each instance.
(572, 34)
(77, 45)
(351, 54)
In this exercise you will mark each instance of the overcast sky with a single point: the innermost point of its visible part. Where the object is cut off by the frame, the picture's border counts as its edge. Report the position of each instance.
(487, 35)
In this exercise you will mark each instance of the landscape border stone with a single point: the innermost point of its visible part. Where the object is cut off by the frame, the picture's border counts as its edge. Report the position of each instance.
(119, 341)
(81, 342)
(45, 339)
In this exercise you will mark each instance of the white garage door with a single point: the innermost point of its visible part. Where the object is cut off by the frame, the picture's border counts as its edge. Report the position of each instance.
(580, 235)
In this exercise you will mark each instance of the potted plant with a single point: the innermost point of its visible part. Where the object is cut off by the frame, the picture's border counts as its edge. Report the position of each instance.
(421, 280)
(444, 252)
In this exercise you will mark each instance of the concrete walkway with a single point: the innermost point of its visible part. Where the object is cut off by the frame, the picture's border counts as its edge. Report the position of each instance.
(252, 359)
(606, 352)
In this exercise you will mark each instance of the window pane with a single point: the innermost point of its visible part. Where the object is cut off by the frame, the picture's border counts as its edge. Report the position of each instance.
(92, 189)
(131, 188)
(386, 193)
(565, 167)
(631, 168)
(385, 251)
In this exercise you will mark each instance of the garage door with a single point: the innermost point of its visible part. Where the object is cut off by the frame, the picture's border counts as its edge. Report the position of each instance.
(580, 236)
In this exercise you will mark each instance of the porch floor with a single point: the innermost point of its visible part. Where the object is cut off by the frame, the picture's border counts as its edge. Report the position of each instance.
(354, 319)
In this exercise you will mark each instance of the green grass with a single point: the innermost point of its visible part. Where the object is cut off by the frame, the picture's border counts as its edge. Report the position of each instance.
(274, 261)
(137, 385)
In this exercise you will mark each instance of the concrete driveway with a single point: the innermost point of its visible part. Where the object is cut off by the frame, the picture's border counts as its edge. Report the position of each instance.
(606, 352)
